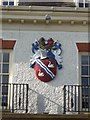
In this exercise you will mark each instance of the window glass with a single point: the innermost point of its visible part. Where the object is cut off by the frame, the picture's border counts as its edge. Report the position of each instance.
(0, 79)
(84, 70)
(4, 100)
(5, 68)
(85, 102)
(84, 80)
(0, 68)
(86, 4)
(5, 2)
(4, 90)
(5, 57)
(81, 5)
(85, 92)
(89, 80)
(5, 78)
(11, 3)
(0, 57)
(84, 60)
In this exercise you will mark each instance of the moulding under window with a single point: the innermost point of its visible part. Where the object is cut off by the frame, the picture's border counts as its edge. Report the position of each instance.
(7, 44)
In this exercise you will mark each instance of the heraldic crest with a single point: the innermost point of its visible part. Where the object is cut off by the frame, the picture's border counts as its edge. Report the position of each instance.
(46, 58)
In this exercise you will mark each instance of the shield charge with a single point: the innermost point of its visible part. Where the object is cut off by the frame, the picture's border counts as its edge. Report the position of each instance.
(47, 73)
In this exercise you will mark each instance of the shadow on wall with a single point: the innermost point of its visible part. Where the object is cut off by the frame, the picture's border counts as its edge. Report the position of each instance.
(40, 104)
(44, 105)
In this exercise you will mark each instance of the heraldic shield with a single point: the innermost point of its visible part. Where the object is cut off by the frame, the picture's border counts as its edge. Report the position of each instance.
(45, 69)
(46, 59)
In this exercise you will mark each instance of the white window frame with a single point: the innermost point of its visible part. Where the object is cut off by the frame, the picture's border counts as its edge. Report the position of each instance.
(80, 54)
(80, 76)
(10, 63)
(8, 2)
(10, 73)
(84, 2)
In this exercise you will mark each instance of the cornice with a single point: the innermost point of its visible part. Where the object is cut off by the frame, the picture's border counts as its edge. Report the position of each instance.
(41, 10)
(64, 19)
(44, 8)
(36, 14)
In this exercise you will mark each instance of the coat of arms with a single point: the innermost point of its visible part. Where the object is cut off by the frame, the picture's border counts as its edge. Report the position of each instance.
(46, 58)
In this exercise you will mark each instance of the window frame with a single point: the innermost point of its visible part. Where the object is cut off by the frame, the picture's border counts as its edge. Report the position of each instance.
(7, 46)
(8, 2)
(4, 2)
(80, 78)
(9, 72)
(84, 3)
(80, 54)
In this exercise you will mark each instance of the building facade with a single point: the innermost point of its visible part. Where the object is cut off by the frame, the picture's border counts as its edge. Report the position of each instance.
(21, 26)
(59, 3)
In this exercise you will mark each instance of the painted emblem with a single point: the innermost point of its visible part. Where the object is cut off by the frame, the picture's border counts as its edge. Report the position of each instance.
(46, 58)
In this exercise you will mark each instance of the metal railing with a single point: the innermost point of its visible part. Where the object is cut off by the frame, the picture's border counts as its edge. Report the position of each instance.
(76, 98)
(15, 97)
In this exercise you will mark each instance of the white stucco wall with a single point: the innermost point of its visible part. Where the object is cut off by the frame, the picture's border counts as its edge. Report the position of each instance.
(45, 97)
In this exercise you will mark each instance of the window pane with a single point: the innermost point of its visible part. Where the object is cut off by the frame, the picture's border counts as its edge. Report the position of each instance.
(5, 78)
(5, 57)
(0, 68)
(5, 3)
(84, 60)
(11, 3)
(86, 4)
(89, 70)
(0, 57)
(5, 68)
(84, 70)
(85, 81)
(0, 79)
(85, 103)
(85, 91)
(89, 80)
(4, 100)
(81, 5)
(4, 90)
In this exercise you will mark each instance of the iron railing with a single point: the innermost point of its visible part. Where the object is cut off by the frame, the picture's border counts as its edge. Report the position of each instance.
(15, 97)
(76, 98)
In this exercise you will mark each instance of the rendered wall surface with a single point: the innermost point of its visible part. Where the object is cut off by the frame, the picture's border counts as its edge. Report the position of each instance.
(45, 97)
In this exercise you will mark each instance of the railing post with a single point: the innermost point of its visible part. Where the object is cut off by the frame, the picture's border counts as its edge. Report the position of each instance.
(13, 98)
(79, 97)
(64, 103)
(27, 88)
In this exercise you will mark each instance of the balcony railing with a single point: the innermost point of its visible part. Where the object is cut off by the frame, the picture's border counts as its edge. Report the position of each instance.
(76, 98)
(15, 97)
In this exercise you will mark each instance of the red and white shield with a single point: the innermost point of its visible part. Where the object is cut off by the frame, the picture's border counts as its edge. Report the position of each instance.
(45, 69)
